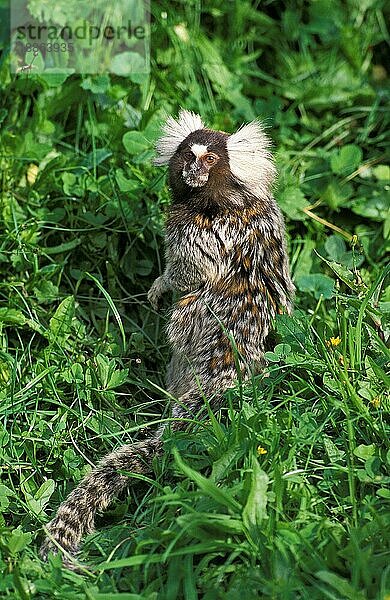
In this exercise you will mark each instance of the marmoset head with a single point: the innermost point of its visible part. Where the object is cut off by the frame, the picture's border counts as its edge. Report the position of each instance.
(199, 157)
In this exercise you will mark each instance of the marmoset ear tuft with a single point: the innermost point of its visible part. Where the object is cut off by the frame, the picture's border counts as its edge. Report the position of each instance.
(250, 159)
(174, 132)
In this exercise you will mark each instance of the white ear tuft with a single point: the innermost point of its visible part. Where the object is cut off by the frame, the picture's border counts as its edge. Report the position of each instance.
(175, 131)
(250, 159)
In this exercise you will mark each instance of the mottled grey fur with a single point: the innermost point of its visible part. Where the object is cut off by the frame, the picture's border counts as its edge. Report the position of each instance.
(226, 256)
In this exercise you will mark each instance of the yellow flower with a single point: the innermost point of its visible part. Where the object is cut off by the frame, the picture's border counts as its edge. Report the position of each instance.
(376, 402)
(333, 342)
(261, 450)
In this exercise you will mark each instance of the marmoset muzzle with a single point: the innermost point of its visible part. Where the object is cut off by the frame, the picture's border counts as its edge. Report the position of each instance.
(195, 174)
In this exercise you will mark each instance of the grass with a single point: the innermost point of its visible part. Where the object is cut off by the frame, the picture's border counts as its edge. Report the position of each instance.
(284, 494)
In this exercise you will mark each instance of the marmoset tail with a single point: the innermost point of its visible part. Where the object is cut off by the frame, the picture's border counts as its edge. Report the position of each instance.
(226, 256)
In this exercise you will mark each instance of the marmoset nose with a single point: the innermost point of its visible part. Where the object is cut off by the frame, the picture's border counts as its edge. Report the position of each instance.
(198, 167)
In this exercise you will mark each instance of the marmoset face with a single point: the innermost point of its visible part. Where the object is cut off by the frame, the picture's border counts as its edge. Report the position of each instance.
(197, 163)
(200, 155)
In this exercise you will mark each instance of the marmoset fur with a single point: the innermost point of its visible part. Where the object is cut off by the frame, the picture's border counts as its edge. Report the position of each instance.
(226, 256)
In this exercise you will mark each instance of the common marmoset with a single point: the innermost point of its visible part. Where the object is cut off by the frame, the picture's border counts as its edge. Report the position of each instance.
(226, 255)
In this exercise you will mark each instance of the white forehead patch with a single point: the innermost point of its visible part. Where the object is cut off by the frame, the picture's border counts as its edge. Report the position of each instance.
(198, 150)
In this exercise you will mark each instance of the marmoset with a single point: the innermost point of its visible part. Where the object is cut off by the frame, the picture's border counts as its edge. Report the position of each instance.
(226, 256)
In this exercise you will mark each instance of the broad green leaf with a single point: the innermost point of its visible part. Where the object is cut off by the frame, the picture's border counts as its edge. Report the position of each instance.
(125, 184)
(54, 77)
(96, 158)
(333, 452)
(364, 451)
(60, 323)
(153, 129)
(292, 202)
(346, 160)
(272, 357)
(280, 352)
(104, 368)
(343, 587)
(337, 251)
(135, 142)
(382, 172)
(144, 267)
(34, 149)
(97, 84)
(386, 228)
(366, 392)
(74, 375)
(71, 460)
(255, 509)
(316, 283)
(46, 291)
(77, 372)
(282, 349)
(5, 493)
(376, 208)
(71, 185)
(126, 64)
(221, 466)
(11, 316)
(35, 504)
(293, 331)
(305, 259)
(335, 247)
(18, 541)
(45, 491)
(117, 379)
